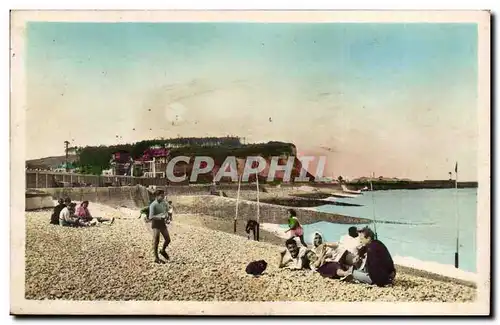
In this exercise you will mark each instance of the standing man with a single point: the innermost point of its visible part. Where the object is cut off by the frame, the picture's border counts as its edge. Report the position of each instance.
(157, 214)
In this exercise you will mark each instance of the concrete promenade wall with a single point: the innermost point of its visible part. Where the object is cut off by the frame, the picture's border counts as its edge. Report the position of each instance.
(126, 196)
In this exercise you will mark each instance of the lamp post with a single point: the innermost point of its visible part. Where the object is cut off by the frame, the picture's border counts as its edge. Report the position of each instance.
(66, 148)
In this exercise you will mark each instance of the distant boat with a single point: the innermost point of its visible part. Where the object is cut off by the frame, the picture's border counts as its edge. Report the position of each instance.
(365, 189)
(340, 195)
(346, 190)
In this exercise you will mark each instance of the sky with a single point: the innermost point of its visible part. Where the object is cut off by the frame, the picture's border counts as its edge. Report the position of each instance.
(399, 100)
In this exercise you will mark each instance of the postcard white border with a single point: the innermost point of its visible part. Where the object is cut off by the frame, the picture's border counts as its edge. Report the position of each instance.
(19, 305)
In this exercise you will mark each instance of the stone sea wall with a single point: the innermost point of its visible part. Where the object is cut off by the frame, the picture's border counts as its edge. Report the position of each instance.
(127, 196)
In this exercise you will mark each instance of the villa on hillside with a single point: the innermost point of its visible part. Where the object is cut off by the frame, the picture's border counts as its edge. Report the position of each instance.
(154, 161)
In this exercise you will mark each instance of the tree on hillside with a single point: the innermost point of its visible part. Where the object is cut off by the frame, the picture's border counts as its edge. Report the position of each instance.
(97, 158)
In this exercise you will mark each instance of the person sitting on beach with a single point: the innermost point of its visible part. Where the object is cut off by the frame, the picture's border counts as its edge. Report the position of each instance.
(295, 228)
(379, 267)
(54, 218)
(292, 257)
(351, 241)
(252, 226)
(84, 214)
(325, 266)
(67, 216)
(333, 252)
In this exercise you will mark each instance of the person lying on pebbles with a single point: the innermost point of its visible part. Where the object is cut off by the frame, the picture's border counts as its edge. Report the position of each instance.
(292, 257)
(326, 267)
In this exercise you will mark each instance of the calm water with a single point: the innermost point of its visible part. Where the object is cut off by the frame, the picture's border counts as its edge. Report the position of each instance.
(432, 234)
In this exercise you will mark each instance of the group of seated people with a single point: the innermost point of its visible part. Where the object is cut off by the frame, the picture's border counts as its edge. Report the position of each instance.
(67, 214)
(358, 257)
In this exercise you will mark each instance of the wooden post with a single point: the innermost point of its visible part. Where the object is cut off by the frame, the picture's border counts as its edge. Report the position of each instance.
(258, 206)
(237, 202)
(46, 180)
(373, 206)
(457, 216)
(36, 179)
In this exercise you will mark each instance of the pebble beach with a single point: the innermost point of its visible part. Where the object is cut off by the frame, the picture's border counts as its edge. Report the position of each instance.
(207, 264)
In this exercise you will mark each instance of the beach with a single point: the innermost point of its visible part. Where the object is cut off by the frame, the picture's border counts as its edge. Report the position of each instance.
(207, 264)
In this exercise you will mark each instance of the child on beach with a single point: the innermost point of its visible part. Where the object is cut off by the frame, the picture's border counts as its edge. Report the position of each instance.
(295, 228)
(252, 226)
(170, 212)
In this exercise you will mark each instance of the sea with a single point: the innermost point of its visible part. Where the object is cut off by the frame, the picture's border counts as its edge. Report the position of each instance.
(426, 225)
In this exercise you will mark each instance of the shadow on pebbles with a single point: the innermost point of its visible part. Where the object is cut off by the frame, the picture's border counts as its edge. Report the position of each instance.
(115, 263)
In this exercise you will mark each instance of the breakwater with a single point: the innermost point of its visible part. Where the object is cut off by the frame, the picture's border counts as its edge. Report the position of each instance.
(303, 203)
(225, 208)
(411, 185)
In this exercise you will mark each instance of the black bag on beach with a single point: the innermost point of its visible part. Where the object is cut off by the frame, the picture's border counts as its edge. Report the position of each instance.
(256, 268)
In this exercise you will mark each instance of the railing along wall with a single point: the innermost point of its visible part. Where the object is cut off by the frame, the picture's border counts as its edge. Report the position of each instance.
(44, 179)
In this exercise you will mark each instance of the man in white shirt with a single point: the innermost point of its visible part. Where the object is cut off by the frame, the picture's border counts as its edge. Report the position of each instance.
(293, 256)
(66, 217)
(351, 241)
